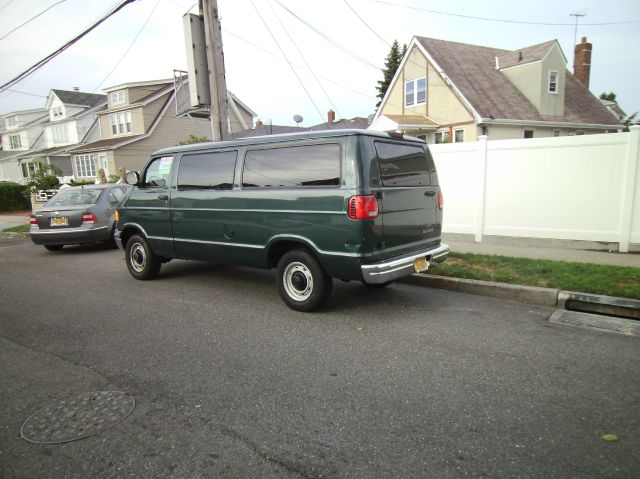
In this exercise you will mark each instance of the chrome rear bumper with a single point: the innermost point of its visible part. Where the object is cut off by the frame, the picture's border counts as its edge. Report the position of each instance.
(398, 267)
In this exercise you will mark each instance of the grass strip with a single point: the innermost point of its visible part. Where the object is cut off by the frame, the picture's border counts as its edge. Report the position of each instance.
(17, 229)
(582, 277)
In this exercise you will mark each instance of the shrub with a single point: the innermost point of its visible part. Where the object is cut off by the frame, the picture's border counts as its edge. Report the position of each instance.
(73, 182)
(14, 197)
(45, 178)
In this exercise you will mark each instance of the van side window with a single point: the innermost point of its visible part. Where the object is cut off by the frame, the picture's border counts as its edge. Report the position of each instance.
(403, 165)
(293, 167)
(207, 171)
(158, 173)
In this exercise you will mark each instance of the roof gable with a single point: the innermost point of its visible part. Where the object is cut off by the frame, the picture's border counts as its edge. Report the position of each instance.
(79, 98)
(523, 56)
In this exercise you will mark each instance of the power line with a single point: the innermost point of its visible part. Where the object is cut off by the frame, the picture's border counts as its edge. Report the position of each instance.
(501, 20)
(305, 60)
(327, 38)
(285, 56)
(26, 93)
(51, 56)
(366, 24)
(32, 18)
(6, 5)
(128, 48)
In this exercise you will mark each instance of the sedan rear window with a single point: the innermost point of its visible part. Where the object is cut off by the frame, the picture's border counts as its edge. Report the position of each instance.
(403, 165)
(84, 196)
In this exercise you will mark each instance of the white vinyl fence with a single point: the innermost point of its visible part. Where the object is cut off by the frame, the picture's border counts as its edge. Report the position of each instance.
(569, 188)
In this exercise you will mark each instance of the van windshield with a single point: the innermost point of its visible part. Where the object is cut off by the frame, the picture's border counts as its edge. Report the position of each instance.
(403, 165)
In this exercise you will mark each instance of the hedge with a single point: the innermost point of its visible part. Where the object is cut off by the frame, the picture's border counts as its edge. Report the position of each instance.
(14, 197)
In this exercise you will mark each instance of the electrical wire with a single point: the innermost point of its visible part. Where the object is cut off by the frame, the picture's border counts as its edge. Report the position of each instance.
(328, 39)
(128, 48)
(366, 24)
(57, 52)
(501, 20)
(6, 5)
(26, 93)
(285, 56)
(32, 19)
(305, 60)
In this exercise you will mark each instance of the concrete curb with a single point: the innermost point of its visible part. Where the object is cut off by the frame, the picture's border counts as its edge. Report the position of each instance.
(569, 300)
(524, 294)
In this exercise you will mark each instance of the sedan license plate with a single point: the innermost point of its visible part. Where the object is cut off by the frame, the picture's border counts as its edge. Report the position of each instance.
(420, 265)
(61, 221)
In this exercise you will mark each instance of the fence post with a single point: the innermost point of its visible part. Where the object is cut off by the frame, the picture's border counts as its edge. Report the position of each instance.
(479, 209)
(629, 187)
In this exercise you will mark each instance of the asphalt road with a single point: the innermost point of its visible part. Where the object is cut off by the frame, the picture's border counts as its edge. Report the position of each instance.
(228, 382)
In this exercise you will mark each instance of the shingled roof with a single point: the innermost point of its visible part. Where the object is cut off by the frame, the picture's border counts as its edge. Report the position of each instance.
(472, 70)
(80, 98)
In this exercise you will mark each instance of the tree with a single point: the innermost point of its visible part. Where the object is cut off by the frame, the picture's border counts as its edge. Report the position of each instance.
(630, 120)
(194, 139)
(44, 178)
(391, 64)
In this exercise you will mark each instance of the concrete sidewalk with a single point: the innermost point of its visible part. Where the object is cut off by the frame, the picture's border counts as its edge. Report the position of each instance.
(10, 219)
(524, 249)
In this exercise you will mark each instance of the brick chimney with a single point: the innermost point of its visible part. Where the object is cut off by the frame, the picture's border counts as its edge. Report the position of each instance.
(582, 62)
(331, 116)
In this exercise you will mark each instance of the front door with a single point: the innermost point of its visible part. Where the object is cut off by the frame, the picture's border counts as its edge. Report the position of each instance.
(152, 200)
(104, 164)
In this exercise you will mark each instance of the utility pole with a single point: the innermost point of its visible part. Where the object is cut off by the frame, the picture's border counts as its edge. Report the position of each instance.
(215, 62)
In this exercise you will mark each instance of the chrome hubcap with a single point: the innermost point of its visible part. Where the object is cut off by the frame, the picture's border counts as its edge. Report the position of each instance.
(298, 281)
(138, 258)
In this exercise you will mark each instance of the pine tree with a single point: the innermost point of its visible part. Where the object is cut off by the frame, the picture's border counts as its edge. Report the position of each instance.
(391, 64)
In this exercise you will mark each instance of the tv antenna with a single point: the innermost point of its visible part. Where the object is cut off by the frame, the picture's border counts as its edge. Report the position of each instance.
(575, 32)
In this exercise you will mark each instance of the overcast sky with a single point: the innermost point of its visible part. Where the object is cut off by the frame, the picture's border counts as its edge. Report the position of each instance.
(347, 65)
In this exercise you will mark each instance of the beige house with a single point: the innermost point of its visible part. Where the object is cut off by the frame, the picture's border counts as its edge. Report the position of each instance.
(453, 92)
(141, 118)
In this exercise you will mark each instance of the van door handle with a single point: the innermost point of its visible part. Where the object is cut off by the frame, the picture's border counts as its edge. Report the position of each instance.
(430, 193)
(163, 197)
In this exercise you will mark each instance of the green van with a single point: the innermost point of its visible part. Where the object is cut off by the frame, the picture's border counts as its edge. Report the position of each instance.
(347, 204)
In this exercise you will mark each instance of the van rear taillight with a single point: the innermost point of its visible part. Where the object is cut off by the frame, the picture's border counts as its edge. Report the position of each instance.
(363, 207)
(440, 200)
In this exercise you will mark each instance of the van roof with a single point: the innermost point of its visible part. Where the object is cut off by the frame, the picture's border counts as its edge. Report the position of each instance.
(260, 140)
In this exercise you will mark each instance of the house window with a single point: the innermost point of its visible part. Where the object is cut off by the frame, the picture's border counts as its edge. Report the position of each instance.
(415, 92)
(556, 132)
(442, 137)
(553, 82)
(121, 123)
(57, 112)
(60, 134)
(85, 165)
(528, 133)
(117, 97)
(15, 142)
(11, 122)
(28, 169)
(458, 136)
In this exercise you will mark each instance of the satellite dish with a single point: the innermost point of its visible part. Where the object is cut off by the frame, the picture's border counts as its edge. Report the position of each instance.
(298, 119)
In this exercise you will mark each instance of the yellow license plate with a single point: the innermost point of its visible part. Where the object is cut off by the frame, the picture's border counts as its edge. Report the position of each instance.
(61, 221)
(420, 265)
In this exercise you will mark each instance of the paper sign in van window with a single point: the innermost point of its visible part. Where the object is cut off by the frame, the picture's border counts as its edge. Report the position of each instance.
(164, 169)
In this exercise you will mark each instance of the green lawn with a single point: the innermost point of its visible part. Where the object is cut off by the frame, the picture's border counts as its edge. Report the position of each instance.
(582, 277)
(18, 229)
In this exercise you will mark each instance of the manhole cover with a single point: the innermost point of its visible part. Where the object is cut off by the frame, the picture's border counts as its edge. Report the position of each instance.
(77, 417)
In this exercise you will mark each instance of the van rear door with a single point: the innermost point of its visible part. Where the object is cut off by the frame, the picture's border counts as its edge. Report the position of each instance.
(411, 217)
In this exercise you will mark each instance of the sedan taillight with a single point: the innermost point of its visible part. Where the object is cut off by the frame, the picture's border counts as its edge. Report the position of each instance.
(89, 219)
(33, 221)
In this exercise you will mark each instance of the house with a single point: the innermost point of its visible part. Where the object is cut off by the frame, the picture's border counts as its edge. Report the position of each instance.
(22, 131)
(451, 92)
(140, 118)
(332, 124)
(72, 120)
(262, 129)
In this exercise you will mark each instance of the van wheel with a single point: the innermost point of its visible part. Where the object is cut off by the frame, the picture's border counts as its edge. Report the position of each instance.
(302, 283)
(141, 261)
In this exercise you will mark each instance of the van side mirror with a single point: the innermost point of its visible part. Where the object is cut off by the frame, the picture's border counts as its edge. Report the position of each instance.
(132, 178)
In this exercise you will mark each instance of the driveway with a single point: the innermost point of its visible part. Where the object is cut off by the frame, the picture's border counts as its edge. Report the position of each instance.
(405, 382)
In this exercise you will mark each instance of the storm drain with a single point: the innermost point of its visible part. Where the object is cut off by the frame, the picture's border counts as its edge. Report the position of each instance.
(77, 417)
(629, 327)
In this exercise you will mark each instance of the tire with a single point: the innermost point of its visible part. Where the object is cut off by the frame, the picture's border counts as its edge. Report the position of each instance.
(54, 247)
(111, 242)
(302, 283)
(142, 262)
